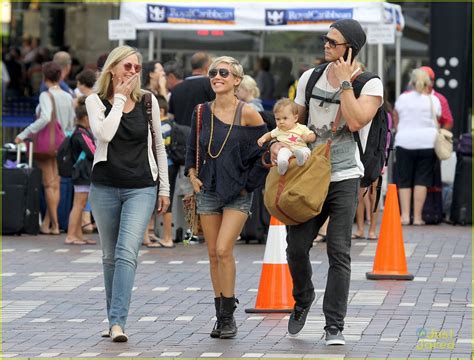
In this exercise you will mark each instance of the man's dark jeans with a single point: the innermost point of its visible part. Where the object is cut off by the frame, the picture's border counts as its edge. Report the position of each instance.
(340, 206)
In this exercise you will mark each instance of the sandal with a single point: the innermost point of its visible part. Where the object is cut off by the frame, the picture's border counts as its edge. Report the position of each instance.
(419, 223)
(320, 238)
(166, 246)
(154, 244)
(75, 242)
(88, 228)
(357, 237)
(153, 237)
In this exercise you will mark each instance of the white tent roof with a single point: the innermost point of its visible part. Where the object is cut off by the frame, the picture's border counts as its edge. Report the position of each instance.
(273, 16)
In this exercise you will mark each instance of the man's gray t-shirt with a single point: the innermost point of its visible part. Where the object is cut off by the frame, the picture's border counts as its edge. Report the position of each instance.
(345, 158)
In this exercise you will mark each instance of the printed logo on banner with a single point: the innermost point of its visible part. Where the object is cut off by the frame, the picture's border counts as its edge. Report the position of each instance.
(275, 17)
(190, 15)
(156, 13)
(305, 16)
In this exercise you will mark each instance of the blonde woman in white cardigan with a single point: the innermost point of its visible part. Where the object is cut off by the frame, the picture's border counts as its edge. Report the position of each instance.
(126, 167)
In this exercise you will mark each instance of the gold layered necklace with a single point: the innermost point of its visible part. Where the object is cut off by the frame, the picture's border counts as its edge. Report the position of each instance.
(212, 130)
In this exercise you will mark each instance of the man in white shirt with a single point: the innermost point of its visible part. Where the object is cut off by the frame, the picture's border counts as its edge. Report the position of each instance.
(334, 112)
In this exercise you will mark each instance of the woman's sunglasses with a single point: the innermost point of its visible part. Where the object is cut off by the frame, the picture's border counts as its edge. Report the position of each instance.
(128, 67)
(222, 72)
(332, 42)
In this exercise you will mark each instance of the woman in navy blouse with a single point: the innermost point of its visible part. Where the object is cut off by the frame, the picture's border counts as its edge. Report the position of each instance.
(229, 170)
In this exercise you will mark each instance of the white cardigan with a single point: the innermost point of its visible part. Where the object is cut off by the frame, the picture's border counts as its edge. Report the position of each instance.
(104, 129)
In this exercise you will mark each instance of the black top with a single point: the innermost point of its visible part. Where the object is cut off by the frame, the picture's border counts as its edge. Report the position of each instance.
(186, 95)
(239, 165)
(83, 149)
(127, 164)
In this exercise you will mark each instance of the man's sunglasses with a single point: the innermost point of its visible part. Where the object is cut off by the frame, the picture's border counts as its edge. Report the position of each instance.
(332, 43)
(222, 72)
(128, 67)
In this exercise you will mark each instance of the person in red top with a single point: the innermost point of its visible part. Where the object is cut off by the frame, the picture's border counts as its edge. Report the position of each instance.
(446, 119)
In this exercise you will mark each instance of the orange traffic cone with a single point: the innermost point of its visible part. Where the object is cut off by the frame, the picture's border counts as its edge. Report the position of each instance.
(390, 262)
(276, 285)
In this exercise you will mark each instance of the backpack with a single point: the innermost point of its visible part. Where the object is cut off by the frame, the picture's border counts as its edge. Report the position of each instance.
(176, 150)
(379, 138)
(64, 157)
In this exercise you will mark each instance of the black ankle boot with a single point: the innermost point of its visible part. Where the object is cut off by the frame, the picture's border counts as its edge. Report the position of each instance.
(216, 332)
(228, 326)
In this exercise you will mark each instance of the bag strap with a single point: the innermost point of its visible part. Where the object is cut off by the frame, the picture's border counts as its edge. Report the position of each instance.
(148, 106)
(379, 192)
(200, 109)
(53, 104)
(52, 122)
(313, 79)
(433, 115)
(359, 79)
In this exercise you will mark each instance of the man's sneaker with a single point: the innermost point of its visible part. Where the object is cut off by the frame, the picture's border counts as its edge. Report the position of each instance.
(298, 318)
(334, 336)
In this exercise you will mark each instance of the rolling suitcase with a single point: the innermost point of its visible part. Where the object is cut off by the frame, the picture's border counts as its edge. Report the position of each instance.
(20, 198)
(433, 208)
(256, 226)
(461, 208)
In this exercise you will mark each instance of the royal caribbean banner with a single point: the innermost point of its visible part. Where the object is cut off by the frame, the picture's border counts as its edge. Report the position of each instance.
(300, 16)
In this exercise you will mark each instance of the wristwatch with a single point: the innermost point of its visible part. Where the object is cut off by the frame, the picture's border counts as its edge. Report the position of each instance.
(346, 85)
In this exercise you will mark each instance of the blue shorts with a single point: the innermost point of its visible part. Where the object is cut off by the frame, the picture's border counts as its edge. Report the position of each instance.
(208, 203)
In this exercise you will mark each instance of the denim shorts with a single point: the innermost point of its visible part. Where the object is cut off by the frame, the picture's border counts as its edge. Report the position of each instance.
(208, 203)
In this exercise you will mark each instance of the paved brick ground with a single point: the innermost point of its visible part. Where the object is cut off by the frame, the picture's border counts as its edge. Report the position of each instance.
(53, 303)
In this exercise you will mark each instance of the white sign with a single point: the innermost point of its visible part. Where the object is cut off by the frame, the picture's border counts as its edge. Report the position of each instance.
(121, 30)
(298, 15)
(381, 34)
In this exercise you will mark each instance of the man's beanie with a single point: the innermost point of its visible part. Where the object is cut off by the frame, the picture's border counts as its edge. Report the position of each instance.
(352, 32)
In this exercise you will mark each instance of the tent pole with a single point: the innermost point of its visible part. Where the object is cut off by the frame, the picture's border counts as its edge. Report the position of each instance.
(151, 43)
(261, 44)
(398, 59)
(158, 46)
(380, 59)
(370, 58)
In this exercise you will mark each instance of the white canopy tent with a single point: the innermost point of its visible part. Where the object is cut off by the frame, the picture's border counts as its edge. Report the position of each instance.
(262, 16)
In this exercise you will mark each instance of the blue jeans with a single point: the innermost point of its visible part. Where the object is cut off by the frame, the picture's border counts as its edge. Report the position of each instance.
(122, 217)
(340, 205)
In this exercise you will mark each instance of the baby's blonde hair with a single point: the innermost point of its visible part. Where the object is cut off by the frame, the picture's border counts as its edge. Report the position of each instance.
(283, 103)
